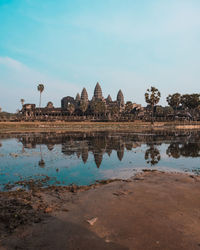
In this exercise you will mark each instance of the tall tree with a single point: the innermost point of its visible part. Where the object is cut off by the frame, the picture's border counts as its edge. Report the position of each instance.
(22, 102)
(191, 101)
(174, 100)
(40, 88)
(152, 97)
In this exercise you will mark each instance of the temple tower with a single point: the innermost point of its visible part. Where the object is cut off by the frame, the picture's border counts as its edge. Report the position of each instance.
(84, 95)
(120, 98)
(78, 98)
(109, 99)
(98, 92)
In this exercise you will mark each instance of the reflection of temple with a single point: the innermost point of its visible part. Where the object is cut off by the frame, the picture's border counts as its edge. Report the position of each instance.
(99, 143)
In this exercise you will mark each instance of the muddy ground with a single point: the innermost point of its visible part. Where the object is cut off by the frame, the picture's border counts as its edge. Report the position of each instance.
(153, 210)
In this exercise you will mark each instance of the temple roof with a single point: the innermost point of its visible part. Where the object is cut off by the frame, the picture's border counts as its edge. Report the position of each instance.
(84, 95)
(98, 91)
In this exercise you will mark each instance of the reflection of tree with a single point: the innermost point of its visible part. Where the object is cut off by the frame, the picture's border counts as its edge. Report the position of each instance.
(129, 145)
(152, 155)
(50, 147)
(189, 149)
(81, 144)
(173, 150)
(41, 162)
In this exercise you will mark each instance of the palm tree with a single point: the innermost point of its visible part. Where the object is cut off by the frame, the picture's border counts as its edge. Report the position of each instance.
(174, 101)
(41, 162)
(22, 102)
(152, 97)
(40, 88)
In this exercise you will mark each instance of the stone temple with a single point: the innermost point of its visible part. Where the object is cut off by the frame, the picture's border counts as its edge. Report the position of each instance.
(97, 107)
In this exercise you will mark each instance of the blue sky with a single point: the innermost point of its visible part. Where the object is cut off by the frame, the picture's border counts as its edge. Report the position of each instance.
(68, 45)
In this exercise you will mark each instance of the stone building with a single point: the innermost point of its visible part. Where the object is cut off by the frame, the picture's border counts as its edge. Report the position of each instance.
(98, 107)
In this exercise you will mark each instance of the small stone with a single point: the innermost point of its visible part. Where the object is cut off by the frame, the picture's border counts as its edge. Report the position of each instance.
(92, 221)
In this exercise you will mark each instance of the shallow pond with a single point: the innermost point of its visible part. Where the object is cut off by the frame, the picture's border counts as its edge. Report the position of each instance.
(83, 158)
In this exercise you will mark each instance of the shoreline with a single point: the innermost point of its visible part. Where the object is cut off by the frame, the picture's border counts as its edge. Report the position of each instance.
(137, 126)
(151, 210)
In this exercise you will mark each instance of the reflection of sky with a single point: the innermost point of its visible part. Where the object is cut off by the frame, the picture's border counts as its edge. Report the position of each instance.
(16, 164)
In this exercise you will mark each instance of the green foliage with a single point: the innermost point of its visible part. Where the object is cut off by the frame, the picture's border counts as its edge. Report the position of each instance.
(190, 101)
(40, 88)
(152, 96)
(168, 110)
(164, 111)
(174, 100)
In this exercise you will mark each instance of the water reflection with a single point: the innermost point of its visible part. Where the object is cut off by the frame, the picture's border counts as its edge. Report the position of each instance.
(83, 158)
(188, 149)
(41, 162)
(152, 155)
(184, 144)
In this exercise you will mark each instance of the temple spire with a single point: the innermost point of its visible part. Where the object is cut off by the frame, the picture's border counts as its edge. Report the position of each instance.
(120, 98)
(109, 99)
(84, 95)
(98, 92)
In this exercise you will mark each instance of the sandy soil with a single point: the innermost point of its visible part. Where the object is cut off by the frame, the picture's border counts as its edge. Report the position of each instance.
(153, 210)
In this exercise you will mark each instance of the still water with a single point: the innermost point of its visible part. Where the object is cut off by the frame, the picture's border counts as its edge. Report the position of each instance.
(84, 158)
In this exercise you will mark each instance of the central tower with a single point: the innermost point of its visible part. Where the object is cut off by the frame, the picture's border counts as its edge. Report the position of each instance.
(98, 92)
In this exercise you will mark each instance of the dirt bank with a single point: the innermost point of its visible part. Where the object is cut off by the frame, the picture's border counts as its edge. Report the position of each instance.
(153, 210)
(137, 126)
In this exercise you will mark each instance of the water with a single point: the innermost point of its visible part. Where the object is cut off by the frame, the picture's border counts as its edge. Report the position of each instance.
(84, 158)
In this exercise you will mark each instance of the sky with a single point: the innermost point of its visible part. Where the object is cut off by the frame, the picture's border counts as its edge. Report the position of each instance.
(67, 45)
